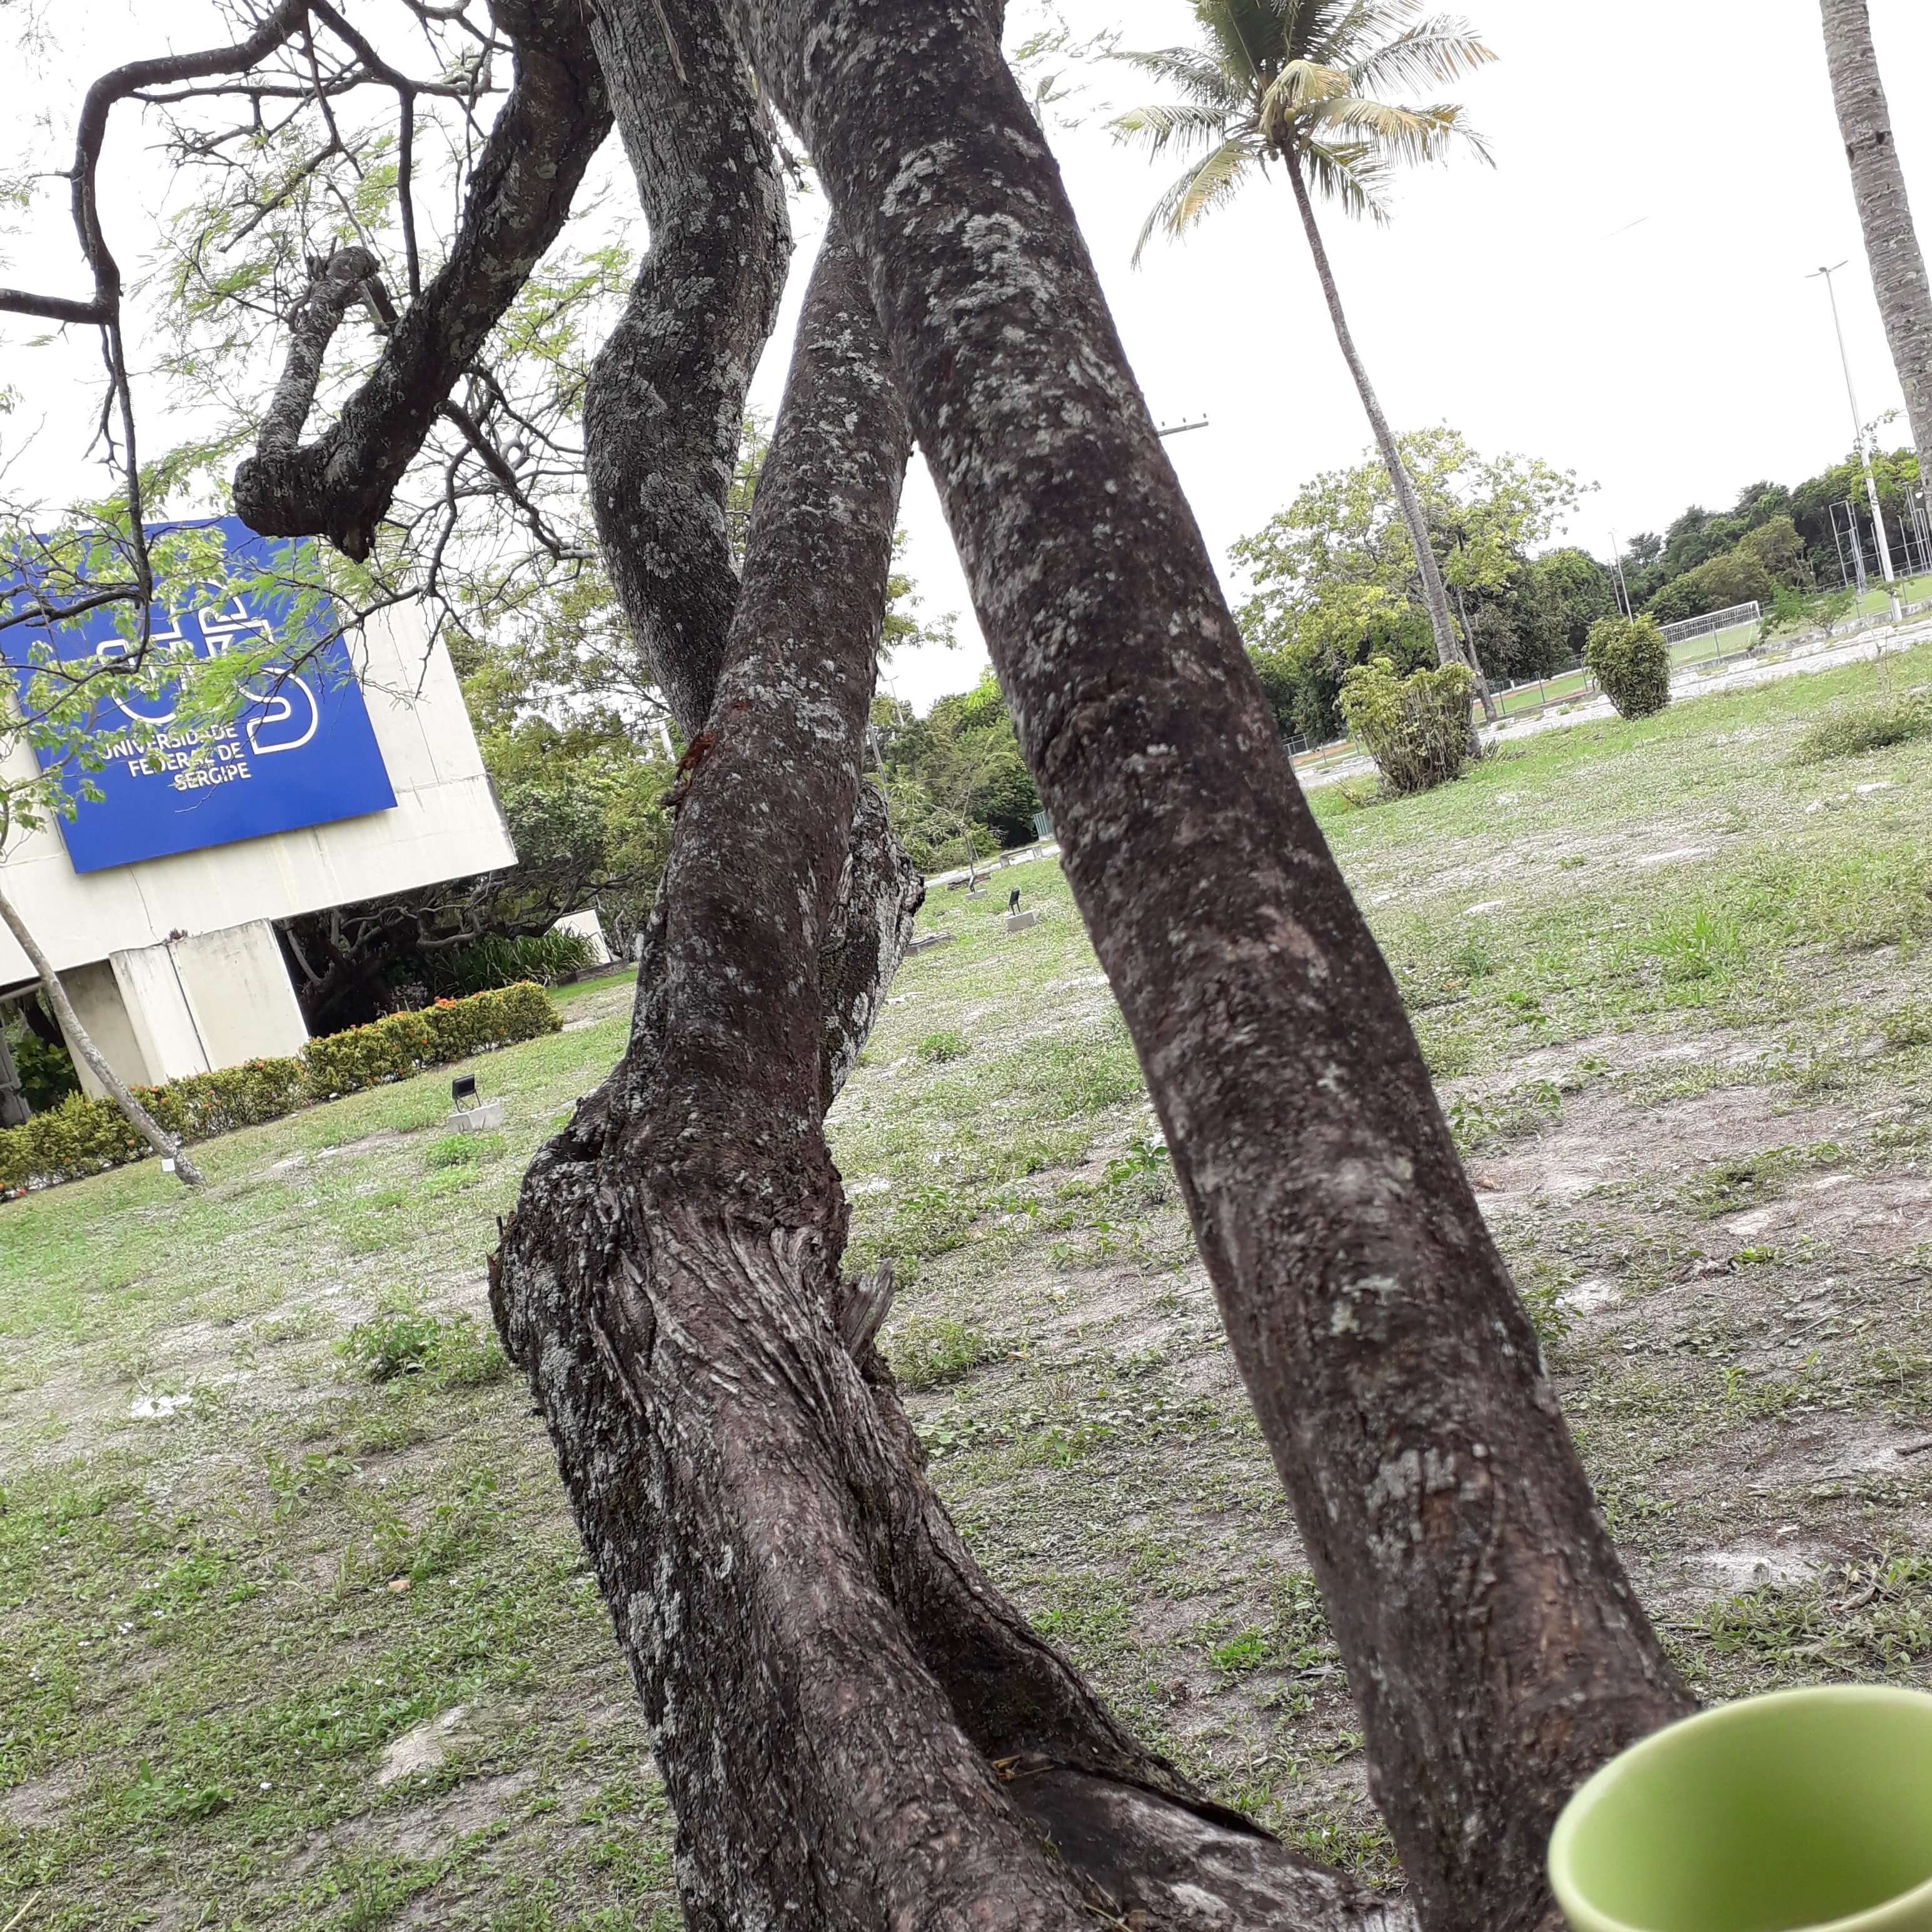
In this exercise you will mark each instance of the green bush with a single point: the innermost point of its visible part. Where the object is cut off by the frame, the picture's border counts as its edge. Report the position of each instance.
(82, 1136)
(405, 1043)
(543, 957)
(1869, 727)
(1416, 728)
(46, 1072)
(1631, 661)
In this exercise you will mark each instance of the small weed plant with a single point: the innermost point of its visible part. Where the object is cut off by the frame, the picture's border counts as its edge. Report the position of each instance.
(404, 1341)
(928, 1352)
(1869, 727)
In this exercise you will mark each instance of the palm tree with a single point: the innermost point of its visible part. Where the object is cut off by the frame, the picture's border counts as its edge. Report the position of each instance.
(1878, 185)
(1300, 82)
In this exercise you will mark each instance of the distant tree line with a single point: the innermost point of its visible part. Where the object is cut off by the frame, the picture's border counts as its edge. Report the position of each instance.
(956, 783)
(1775, 543)
(1334, 580)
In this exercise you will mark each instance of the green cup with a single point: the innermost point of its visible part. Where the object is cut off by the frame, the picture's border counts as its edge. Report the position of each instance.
(1804, 1811)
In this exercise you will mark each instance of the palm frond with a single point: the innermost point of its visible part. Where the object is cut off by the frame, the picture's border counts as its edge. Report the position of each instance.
(1352, 174)
(1246, 36)
(1179, 124)
(1333, 32)
(1409, 135)
(1197, 191)
(1192, 72)
(1430, 53)
(1291, 96)
(1381, 121)
(1300, 82)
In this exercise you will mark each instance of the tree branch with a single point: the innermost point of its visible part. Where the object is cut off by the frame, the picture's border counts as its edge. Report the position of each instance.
(340, 484)
(335, 284)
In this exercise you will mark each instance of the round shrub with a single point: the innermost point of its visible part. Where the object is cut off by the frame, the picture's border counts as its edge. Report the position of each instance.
(1416, 728)
(1631, 661)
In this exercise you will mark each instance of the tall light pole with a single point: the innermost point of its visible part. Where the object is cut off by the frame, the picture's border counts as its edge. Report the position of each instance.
(1617, 565)
(1858, 436)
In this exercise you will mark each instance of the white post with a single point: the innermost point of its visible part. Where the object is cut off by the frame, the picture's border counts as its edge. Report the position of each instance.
(1858, 439)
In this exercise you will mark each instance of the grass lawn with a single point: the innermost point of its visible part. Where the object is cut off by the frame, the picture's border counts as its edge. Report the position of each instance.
(287, 1645)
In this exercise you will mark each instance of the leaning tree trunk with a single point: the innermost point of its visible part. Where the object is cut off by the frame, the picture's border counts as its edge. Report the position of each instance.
(664, 405)
(1498, 1650)
(1442, 626)
(167, 1145)
(854, 1728)
(1878, 186)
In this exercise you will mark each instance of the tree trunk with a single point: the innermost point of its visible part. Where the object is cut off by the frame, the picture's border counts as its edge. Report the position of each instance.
(665, 402)
(1878, 186)
(855, 1730)
(137, 1116)
(1435, 597)
(1496, 1648)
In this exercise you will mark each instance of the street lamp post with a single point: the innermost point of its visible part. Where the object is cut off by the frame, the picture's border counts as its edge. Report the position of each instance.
(1617, 565)
(1858, 436)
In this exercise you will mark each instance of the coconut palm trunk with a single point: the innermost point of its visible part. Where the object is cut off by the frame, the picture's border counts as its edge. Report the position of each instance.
(1442, 626)
(1878, 185)
(138, 1117)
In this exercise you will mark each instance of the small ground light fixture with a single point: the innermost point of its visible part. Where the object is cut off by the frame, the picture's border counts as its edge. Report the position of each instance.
(1013, 900)
(462, 1090)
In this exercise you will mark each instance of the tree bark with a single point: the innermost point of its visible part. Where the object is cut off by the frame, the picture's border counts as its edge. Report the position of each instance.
(855, 1729)
(1497, 1650)
(1435, 599)
(137, 1116)
(1878, 186)
(665, 403)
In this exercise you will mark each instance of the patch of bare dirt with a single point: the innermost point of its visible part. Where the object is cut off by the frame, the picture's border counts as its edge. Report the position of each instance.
(37, 1805)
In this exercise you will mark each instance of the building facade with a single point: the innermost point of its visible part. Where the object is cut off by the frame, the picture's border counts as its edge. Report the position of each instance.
(347, 777)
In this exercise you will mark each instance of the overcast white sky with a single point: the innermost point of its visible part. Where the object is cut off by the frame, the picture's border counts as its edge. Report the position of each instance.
(1671, 360)
(1623, 294)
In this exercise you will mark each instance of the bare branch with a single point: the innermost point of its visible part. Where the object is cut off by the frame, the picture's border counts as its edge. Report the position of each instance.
(51, 308)
(341, 485)
(337, 282)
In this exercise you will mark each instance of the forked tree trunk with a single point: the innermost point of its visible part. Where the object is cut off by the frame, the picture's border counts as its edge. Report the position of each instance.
(855, 1730)
(1435, 597)
(1495, 1646)
(137, 1116)
(1878, 186)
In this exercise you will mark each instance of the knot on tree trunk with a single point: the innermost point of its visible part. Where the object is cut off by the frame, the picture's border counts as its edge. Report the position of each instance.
(863, 1306)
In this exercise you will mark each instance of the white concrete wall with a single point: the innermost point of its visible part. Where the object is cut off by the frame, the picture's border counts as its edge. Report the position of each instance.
(100, 1007)
(587, 926)
(444, 825)
(237, 989)
(156, 1004)
(191, 1005)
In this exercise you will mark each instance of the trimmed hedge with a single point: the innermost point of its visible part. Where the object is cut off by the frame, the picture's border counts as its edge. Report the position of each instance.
(82, 1136)
(1630, 659)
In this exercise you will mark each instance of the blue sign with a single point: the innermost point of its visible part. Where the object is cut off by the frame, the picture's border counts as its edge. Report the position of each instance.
(302, 752)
